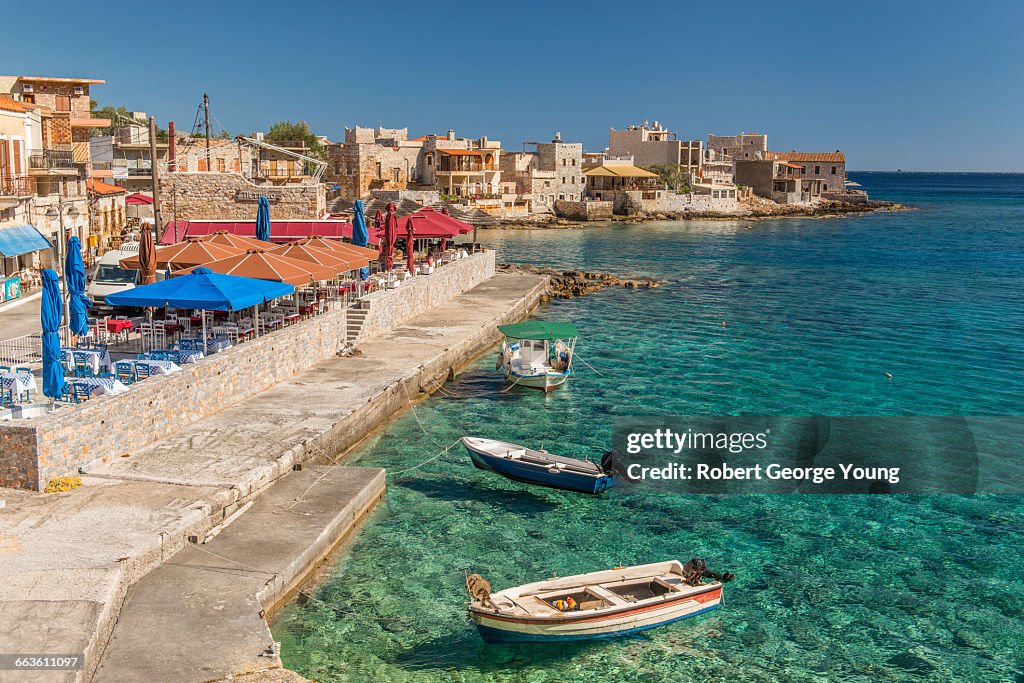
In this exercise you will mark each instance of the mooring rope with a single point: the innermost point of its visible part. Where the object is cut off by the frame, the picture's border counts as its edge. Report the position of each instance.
(427, 461)
(582, 360)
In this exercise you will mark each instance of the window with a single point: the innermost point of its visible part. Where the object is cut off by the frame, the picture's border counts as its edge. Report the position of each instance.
(817, 170)
(63, 103)
(183, 166)
(563, 162)
(395, 174)
(222, 165)
(201, 166)
(824, 187)
(573, 162)
(379, 169)
(833, 170)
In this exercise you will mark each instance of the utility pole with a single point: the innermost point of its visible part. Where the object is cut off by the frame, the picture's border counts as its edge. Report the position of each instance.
(156, 174)
(206, 117)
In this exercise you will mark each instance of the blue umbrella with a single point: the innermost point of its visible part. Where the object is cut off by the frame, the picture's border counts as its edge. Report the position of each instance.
(263, 220)
(202, 288)
(74, 277)
(50, 316)
(360, 234)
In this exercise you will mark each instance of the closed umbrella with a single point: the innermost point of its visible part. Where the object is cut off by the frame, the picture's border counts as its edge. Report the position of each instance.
(263, 220)
(78, 302)
(410, 253)
(390, 235)
(147, 257)
(50, 318)
(360, 235)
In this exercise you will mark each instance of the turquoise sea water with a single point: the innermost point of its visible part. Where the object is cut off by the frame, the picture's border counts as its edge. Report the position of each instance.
(830, 588)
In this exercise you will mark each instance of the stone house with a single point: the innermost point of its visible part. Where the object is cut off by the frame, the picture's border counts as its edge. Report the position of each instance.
(373, 159)
(461, 167)
(650, 144)
(736, 147)
(553, 171)
(823, 171)
(777, 180)
(106, 213)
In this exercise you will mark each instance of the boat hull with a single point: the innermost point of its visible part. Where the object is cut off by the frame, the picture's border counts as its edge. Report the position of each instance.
(545, 382)
(497, 629)
(517, 471)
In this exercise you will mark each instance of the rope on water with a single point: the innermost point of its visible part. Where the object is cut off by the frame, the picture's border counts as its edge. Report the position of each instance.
(427, 461)
(580, 358)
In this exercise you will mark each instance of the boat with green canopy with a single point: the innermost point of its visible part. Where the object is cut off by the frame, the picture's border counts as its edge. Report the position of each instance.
(537, 353)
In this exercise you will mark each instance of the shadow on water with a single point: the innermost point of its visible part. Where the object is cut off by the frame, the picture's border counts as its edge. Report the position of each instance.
(520, 502)
(465, 651)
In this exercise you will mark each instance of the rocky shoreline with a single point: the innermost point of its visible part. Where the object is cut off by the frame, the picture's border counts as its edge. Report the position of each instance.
(751, 212)
(568, 284)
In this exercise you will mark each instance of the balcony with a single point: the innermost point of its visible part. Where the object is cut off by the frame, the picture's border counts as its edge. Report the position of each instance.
(57, 159)
(15, 186)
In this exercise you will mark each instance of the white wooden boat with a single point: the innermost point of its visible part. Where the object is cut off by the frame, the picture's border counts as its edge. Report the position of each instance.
(538, 466)
(537, 353)
(601, 604)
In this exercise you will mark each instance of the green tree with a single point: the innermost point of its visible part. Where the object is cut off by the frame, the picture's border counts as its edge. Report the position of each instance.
(287, 131)
(119, 116)
(675, 176)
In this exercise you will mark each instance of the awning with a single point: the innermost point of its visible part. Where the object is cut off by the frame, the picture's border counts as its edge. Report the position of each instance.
(624, 171)
(460, 152)
(539, 330)
(22, 239)
(280, 231)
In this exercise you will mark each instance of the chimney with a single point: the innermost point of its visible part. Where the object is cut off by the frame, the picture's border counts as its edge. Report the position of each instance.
(558, 136)
(172, 147)
(451, 134)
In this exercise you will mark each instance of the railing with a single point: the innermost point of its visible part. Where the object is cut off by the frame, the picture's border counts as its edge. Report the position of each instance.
(60, 156)
(15, 186)
(27, 349)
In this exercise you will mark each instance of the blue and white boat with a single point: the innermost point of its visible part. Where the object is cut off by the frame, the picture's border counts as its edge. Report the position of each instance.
(537, 353)
(602, 604)
(538, 466)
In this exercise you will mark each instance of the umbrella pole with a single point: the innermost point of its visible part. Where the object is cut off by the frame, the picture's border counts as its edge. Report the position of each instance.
(202, 312)
(256, 318)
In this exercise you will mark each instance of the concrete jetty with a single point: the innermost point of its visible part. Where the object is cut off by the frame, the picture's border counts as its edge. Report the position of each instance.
(67, 560)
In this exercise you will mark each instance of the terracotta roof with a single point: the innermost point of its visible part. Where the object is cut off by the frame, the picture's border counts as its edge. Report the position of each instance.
(100, 187)
(53, 79)
(423, 138)
(7, 104)
(827, 157)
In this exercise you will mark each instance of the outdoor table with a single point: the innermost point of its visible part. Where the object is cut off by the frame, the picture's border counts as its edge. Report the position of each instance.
(118, 326)
(97, 359)
(18, 382)
(158, 367)
(190, 356)
(217, 344)
(100, 386)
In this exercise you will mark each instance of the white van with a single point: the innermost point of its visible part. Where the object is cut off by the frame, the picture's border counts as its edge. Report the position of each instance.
(110, 278)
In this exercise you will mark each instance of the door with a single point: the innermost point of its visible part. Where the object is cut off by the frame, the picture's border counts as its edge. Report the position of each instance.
(63, 103)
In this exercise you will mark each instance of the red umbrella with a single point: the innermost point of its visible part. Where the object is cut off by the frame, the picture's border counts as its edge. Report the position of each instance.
(390, 234)
(444, 243)
(410, 254)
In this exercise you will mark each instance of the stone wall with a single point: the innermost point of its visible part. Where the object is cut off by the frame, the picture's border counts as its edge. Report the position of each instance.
(389, 308)
(584, 211)
(212, 195)
(670, 202)
(107, 427)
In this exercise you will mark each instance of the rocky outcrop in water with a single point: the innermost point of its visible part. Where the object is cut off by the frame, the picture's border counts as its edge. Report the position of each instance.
(572, 283)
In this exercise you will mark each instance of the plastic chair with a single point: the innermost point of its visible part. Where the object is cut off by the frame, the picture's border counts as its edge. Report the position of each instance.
(142, 371)
(21, 369)
(6, 394)
(5, 368)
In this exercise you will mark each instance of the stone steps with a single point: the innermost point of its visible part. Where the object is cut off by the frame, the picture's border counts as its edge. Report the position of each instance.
(354, 319)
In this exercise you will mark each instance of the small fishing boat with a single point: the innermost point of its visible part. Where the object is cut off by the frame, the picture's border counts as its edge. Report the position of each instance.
(601, 604)
(537, 353)
(538, 466)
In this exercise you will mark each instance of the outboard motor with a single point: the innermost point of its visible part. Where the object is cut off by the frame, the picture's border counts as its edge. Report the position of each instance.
(611, 464)
(697, 569)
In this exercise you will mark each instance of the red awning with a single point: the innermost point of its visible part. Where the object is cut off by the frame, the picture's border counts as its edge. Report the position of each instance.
(138, 198)
(280, 231)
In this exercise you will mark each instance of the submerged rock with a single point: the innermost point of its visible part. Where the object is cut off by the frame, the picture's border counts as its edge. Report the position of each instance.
(572, 283)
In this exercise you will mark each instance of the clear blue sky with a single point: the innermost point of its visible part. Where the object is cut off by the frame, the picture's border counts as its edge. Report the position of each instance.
(897, 84)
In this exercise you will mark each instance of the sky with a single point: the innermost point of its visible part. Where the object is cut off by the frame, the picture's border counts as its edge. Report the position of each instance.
(928, 86)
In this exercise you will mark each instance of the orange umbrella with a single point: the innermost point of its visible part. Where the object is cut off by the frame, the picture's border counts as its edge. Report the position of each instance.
(232, 240)
(264, 265)
(340, 262)
(319, 242)
(191, 252)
